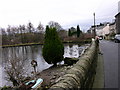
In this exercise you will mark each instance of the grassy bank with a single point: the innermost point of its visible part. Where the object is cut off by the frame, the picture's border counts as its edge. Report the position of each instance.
(30, 44)
(18, 45)
(82, 41)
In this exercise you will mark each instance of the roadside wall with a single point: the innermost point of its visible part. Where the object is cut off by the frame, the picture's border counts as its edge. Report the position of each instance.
(82, 73)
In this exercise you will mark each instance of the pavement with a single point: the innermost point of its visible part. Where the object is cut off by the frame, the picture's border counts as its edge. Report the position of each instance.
(107, 66)
(99, 77)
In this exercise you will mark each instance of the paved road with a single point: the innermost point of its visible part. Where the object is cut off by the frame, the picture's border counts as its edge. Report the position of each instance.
(110, 56)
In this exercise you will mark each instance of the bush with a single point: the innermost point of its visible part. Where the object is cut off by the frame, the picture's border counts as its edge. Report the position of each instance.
(53, 48)
(6, 88)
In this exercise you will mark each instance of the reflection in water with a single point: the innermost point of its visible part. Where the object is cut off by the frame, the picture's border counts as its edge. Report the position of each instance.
(1, 74)
(28, 53)
(73, 51)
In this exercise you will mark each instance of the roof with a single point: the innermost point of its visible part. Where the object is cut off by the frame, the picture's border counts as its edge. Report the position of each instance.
(100, 27)
(112, 23)
(117, 14)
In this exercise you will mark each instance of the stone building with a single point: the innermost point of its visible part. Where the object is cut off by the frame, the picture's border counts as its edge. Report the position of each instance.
(105, 30)
(112, 28)
(118, 20)
(117, 23)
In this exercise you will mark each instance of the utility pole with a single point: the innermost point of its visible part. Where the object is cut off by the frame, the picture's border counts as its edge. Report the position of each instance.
(94, 31)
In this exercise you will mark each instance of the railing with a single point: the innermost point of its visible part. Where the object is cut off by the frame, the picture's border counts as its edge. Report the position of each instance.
(83, 72)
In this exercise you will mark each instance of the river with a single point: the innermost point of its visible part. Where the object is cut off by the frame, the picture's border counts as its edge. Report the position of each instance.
(28, 53)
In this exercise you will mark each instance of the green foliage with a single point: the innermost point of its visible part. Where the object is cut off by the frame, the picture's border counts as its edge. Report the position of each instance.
(6, 88)
(87, 41)
(72, 31)
(112, 34)
(78, 31)
(53, 48)
(69, 33)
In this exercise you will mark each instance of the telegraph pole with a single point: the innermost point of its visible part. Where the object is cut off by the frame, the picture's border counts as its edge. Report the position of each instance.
(94, 31)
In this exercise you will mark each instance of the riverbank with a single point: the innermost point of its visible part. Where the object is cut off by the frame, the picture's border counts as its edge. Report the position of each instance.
(51, 75)
(30, 44)
(19, 45)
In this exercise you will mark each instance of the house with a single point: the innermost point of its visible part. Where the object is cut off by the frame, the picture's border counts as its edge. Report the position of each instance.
(117, 23)
(99, 30)
(112, 27)
(105, 30)
(118, 20)
(112, 30)
(90, 31)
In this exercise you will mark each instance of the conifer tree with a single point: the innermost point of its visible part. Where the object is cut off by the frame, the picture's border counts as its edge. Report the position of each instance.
(78, 31)
(53, 48)
(69, 33)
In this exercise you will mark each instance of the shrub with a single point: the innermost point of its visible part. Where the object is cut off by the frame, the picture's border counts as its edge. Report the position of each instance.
(78, 31)
(6, 88)
(53, 48)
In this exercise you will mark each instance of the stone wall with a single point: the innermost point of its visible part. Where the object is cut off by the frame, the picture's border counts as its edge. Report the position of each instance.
(82, 73)
(117, 23)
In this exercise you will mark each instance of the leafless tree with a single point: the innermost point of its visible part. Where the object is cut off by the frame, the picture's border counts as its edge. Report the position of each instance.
(55, 24)
(15, 70)
(62, 34)
(30, 27)
(40, 28)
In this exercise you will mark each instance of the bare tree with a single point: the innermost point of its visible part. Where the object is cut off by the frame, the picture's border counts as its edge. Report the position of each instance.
(21, 33)
(9, 29)
(15, 70)
(62, 34)
(30, 27)
(2, 31)
(55, 24)
(40, 28)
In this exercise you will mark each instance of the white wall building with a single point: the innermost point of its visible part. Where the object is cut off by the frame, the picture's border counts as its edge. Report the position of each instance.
(106, 30)
(112, 28)
(99, 30)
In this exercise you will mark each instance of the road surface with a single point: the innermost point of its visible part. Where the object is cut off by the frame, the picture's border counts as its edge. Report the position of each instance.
(109, 50)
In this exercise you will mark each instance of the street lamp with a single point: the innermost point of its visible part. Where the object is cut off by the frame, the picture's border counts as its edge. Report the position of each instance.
(94, 31)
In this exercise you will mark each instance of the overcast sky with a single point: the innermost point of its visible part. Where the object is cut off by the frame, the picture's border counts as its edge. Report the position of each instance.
(67, 13)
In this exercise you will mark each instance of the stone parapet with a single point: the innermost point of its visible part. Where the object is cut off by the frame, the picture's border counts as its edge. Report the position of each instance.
(83, 72)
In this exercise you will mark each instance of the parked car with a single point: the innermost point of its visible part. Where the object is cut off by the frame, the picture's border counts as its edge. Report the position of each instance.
(117, 38)
(100, 38)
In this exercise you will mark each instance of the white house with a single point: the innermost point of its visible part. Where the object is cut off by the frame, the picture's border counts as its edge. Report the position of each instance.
(112, 28)
(104, 30)
(99, 30)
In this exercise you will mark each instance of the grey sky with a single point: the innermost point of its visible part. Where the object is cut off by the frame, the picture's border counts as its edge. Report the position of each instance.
(66, 12)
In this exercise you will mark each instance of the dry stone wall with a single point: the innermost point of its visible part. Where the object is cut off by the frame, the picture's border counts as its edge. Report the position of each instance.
(82, 73)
